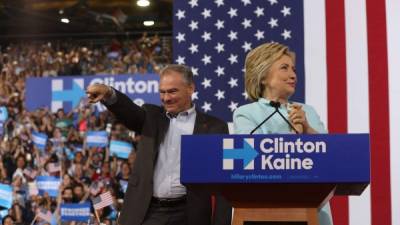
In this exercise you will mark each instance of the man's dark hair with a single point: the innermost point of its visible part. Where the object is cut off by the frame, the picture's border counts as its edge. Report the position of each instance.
(186, 72)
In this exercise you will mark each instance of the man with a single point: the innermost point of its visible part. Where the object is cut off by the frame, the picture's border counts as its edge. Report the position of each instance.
(155, 195)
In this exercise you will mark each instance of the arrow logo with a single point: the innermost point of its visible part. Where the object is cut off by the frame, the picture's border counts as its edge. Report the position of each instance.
(247, 153)
(73, 95)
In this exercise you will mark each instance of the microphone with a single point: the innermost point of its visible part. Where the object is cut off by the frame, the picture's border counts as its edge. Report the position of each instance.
(276, 105)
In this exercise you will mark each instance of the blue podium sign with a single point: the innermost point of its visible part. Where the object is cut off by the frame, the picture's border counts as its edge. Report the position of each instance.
(237, 159)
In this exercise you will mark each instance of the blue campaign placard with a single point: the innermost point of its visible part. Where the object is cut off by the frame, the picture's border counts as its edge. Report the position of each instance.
(5, 195)
(48, 184)
(286, 158)
(3, 113)
(121, 149)
(75, 212)
(66, 92)
(96, 139)
(39, 140)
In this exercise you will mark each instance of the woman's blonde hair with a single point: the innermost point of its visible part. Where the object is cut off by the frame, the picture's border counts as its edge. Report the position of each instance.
(258, 63)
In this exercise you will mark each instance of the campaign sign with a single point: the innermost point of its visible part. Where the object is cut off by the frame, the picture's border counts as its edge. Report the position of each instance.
(121, 149)
(3, 213)
(3, 113)
(96, 139)
(67, 92)
(39, 140)
(5, 195)
(75, 212)
(320, 158)
(48, 184)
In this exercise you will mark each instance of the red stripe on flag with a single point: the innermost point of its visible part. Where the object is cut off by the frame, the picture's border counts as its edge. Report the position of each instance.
(337, 88)
(379, 113)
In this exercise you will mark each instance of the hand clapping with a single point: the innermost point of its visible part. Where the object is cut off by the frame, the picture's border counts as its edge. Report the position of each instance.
(297, 117)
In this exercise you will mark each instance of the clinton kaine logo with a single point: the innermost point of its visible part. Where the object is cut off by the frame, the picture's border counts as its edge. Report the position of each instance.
(60, 94)
(275, 153)
(247, 154)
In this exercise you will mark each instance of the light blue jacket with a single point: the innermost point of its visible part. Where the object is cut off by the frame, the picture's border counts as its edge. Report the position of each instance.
(247, 117)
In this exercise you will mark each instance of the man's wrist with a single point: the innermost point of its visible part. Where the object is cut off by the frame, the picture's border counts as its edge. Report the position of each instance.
(109, 98)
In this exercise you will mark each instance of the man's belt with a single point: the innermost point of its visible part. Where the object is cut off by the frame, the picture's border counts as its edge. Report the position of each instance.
(168, 202)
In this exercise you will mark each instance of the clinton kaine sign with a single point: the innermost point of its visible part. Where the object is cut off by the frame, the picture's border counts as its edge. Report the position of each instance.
(67, 92)
(318, 158)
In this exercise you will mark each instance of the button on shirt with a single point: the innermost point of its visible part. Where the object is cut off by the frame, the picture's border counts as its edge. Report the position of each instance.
(166, 178)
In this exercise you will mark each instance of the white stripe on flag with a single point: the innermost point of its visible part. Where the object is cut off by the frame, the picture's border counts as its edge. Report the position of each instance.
(315, 57)
(103, 200)
(357, 94)
(393, 31)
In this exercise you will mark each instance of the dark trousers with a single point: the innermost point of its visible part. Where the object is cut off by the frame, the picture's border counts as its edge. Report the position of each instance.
(161, 215)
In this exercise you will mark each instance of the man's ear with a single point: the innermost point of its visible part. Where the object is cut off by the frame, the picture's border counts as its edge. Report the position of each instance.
(191, 88)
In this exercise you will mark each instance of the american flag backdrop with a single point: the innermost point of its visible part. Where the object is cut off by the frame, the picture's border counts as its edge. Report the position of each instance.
(348, 63)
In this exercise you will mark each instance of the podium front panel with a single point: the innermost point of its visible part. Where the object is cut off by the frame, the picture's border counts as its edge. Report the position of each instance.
(256, 159)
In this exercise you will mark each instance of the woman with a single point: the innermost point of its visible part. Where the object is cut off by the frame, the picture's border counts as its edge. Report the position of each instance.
(271, 77)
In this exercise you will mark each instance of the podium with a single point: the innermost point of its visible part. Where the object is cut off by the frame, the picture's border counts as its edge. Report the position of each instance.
(281, 178)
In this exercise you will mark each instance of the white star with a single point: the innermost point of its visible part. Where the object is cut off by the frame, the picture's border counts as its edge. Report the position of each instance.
(206, 107)
(259, 35)
(195, 71)
(273, 22)
(206, 36)
(246, 46)
(232, 35)
(180, 60)
(246, 23)
(285, 11)
(206, 83)
(233, 106)
(233, 82)
(180, 37)
(273, 2)
(286, 34)
(220, 94)
(245, 95)
(219, 47)
(195, 95)
(180, 14)
(259, 11)
(193, 3)
(233, 59)
(206, 13)
(219, 24)
(220, 71)
(232, 12)
(194, 25)
(219, 2)
(193, 48)
(246, 2)
(206, 59)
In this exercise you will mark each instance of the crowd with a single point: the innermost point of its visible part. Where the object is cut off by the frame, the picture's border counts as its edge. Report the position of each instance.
(85, 172)
(86, 57)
